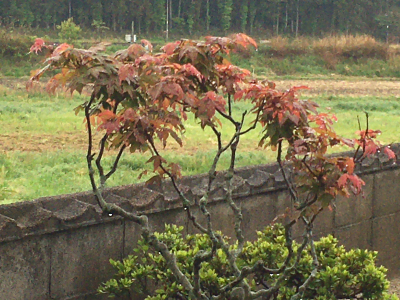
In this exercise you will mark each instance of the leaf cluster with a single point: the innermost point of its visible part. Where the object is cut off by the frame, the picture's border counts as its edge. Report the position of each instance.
(343, 274)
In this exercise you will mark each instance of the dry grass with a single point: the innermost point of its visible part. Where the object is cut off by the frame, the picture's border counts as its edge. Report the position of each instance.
(394, 50)
(350, 46)
(282, 46)
(331, 48)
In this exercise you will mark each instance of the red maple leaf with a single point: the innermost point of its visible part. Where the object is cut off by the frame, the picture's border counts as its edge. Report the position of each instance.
(389, 153)
(169, 48)
(110, 126)
(37, 45)
(355, 181)
(191, 70)
(371, 133)
(126, 72)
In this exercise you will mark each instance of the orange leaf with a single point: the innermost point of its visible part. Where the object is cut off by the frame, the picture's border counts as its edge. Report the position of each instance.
(165, 104)
(301, 87)
(61, 48)
(343, 180)
(126, 72)
(106, 115)
(350, 165)
(35, 73)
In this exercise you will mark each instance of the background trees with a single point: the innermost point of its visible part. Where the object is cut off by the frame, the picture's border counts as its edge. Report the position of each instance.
(306, 17)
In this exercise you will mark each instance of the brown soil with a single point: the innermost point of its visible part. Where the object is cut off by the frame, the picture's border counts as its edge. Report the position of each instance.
(42, 142)
(345, 87)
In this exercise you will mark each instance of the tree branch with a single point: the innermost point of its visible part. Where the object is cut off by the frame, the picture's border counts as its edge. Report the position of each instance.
(288, 183)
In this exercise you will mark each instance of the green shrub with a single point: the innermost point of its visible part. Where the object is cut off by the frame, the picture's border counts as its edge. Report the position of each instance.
(69, 31)
(342, 274)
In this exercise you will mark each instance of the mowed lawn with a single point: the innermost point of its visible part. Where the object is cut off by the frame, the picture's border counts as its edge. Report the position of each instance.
(42, 142)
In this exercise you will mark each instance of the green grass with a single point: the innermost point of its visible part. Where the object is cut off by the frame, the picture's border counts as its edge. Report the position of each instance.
(29, 175)
(26, 175)
(32, 174)
(383, 113)
(38, 113)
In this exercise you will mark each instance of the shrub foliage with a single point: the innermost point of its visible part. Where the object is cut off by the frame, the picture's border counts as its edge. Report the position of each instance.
(342, 275)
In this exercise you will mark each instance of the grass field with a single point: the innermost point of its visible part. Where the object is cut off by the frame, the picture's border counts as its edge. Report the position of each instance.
(42, 143)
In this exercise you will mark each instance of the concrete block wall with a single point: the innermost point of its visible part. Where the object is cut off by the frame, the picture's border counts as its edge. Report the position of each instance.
(59, 247)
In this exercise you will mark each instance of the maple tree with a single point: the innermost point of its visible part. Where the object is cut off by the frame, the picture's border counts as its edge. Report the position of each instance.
(138, 98)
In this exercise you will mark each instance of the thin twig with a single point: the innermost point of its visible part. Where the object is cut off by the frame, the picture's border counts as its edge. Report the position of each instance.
(229, 105)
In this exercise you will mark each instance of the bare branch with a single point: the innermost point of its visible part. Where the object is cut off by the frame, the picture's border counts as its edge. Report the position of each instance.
(288, 183)
(115, 165)
(100, 156)
(230, 104)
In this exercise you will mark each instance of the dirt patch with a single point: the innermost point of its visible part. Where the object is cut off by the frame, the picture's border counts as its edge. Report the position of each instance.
(350, 87)
(344, 87)
(43, 142)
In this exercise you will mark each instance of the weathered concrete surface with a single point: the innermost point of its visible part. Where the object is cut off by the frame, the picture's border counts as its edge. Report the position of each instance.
(80, 258)
(25, 269)
(59, 247)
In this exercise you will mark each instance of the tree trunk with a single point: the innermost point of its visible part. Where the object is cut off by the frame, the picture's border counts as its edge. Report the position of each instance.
(208, 15)
(170, 14)
(297, 18)
(286, 16)
(277, 23)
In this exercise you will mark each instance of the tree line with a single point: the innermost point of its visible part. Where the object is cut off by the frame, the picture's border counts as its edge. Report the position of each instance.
(255, 17)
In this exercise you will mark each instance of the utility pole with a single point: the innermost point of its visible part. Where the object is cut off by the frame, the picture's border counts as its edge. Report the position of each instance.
(133, 37)
(69, 9)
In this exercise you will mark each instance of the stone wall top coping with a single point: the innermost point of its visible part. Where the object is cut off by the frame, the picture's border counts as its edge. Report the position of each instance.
(57, 213)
